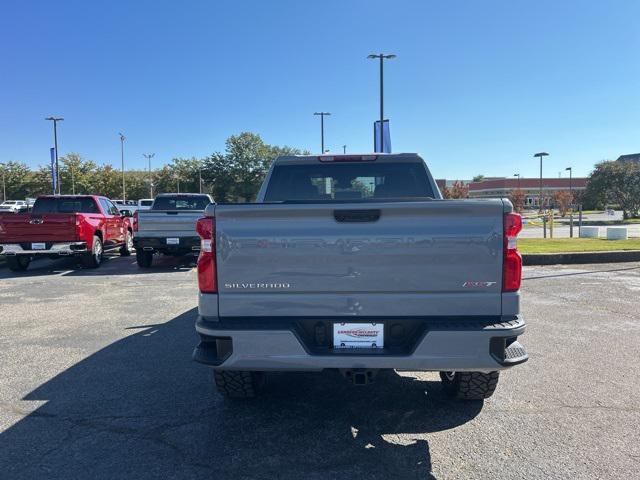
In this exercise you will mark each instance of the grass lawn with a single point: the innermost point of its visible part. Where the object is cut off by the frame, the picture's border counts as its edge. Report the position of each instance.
(569, 245)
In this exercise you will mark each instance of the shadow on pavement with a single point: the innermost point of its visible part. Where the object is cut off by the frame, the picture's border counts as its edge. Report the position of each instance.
(113, 264)
(140, 408)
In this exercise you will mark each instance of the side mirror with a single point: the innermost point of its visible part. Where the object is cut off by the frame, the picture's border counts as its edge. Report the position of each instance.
(125, 213)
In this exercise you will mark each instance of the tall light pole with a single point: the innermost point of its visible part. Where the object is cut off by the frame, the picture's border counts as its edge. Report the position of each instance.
(570, 169)
(55, 121)
(344, 149)
(540, 155)
(124, 190)
(517, 175)
(200, 176)
(382, 58)
(322, 115)
(73, 180)
(4, 185)
(149, 156)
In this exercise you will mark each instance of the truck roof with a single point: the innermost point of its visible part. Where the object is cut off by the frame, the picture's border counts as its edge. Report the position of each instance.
(70, 196)
(182, 195)
(349, 157)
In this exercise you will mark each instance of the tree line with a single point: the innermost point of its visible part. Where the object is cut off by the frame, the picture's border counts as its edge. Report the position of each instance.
(237, 173)
(611, 184)
(233, 175)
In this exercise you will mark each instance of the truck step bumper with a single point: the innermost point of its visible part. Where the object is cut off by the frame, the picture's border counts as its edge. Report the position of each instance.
(458, 348)
(61, 248)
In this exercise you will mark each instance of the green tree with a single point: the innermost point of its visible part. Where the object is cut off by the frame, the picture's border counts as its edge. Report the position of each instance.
(77, 174)
(17, 177)
(478, 178)
(617, 183)
(238, 173)
(40, 182)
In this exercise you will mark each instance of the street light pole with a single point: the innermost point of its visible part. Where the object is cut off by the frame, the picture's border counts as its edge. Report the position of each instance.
(55, 121)
(149, 156)
(382, 58)
(344, 149)
(4, 186)
(322, 115)
(540, 155)
(124, 191)
(570, 184)
(200, 176)
(517, 175)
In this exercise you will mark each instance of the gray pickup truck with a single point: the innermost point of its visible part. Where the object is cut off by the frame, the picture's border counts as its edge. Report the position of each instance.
(169, 226)
(356, 263)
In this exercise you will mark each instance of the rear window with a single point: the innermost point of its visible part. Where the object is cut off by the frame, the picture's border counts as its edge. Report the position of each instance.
(192, 202)
(348, 181)
(146, 203)
(65, 205)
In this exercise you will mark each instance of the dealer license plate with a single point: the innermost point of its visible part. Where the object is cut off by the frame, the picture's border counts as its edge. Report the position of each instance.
(358, 335)
(173, 241)
(38, 246)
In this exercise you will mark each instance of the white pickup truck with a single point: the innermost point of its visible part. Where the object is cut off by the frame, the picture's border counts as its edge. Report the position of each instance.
(356, 263)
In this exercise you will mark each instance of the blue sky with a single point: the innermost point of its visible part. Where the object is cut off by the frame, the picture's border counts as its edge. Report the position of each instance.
(477, 87)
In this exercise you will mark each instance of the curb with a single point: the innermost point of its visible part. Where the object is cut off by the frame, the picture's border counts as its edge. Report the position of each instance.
(612, 256)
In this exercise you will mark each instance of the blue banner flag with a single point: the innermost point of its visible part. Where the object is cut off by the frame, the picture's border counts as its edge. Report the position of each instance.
(386, 136)
(54, 177)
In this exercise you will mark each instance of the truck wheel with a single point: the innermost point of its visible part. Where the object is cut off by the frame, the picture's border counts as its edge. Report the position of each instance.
(94, 258)
(18, 263)
(469, 385)
(144, 259)
(233, 384)
(127, 248)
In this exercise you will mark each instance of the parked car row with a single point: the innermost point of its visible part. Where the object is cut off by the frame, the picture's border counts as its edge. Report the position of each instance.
(87, 226)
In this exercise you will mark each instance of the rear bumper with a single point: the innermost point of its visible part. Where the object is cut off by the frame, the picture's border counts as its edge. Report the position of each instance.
(468, 345)
(61, 248)
(185, 244)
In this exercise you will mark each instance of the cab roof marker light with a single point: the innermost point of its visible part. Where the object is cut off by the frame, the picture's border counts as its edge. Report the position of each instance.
(347, 158)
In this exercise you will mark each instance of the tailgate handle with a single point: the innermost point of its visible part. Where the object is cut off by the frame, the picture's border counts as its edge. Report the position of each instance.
(171, 213)
(356, 216)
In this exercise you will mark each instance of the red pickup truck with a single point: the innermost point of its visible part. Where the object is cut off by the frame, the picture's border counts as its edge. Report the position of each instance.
(65, 225)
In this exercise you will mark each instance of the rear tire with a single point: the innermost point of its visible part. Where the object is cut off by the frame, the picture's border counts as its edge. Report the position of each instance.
(127, 248)
(238, 384)
(93, 259)
(469, 385)
(144, 259)
(18, 263)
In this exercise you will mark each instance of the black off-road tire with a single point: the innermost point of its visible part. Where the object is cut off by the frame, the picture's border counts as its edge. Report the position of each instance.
(18, 263)
(127, 248)
(235, 384)
(469, 385)
(93, 259)
(144, 259)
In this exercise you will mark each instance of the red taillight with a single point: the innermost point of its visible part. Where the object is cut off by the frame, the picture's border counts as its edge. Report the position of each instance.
(135, 221)
(207, 281)
(512, 262)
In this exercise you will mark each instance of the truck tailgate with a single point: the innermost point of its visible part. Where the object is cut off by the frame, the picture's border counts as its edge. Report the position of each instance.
(160, 223)
(25, 227)
(428, 258)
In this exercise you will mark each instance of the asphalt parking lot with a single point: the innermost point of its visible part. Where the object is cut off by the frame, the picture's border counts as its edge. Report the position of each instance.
(96, 381)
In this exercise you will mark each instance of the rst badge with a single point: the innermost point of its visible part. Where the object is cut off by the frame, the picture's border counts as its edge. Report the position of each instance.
(478, 284)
